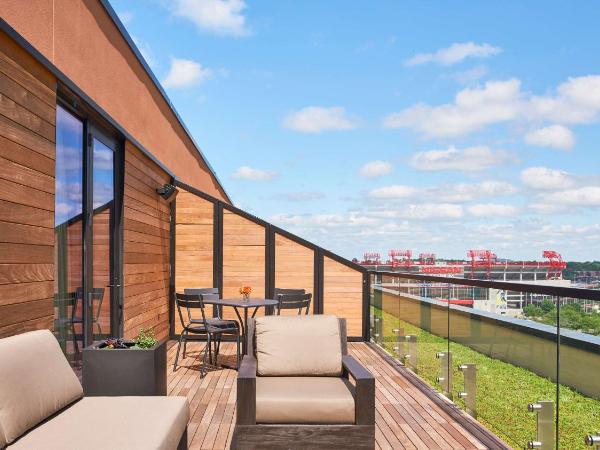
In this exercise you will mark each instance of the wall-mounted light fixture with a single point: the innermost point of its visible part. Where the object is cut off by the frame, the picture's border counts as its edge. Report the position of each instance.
(168, 192)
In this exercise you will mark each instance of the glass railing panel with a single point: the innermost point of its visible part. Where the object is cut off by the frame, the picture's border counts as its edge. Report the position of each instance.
(502, 363)
(413, 322)
(579, 372)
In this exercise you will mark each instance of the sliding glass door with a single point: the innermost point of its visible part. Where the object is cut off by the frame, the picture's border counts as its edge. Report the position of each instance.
(87, 225)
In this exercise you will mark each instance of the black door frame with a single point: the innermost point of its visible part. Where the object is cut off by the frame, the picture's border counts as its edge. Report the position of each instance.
(95, 127)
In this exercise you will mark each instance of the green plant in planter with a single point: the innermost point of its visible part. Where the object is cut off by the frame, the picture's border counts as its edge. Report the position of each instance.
(145, 339)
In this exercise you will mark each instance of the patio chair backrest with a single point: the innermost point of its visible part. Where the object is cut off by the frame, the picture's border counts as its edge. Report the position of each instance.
(294, 301)
(206, 293)
(36, 381)
(299, 345)
(286, 291)
(189, 302)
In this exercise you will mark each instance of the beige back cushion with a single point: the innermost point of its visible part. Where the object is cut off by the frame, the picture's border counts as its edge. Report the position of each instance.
(298, 346)
(35, 381)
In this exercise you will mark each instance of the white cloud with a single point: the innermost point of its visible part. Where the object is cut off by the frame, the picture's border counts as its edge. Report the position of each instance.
(467, 160)
(393, 192)
(306, 196)
(248, 173)
(375, 169)
(553, 136)
(492, 210)
(473, 109)
(470, 76)
(222, 17)
(185, 73)
(447, 193)
(577, 100)
(315, 119)
(545, 179)
(567, 200)
(466, 192)
(456, 53)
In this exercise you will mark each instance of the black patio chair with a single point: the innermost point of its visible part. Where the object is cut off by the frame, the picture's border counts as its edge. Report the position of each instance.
(284, 291)
(294, 301)
(209, 294)
(212, 328)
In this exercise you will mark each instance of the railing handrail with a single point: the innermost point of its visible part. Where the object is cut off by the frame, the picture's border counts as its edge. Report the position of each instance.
(557, 291)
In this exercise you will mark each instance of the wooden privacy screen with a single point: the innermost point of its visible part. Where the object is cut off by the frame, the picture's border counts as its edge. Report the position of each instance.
(294, 267)
(27, 155)
(243, 258)
(193, 244)
(146, 246)
(218, 245)
(343, 294)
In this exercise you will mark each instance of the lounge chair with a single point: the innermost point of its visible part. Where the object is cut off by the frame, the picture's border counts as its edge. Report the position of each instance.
(294, 389)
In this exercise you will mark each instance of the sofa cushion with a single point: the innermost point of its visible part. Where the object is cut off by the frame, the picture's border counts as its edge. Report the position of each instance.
(304, 400)
(298, 346)
(36, 381)
(100, 423)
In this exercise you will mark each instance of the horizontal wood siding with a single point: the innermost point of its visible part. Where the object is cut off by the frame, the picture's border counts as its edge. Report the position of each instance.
(145, 246)
(343, 294)
(194, 244)
(27, 154)
(243, 258)
(294, 267)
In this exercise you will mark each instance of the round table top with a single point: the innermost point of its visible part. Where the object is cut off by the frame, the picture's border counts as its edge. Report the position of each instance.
(239, 303)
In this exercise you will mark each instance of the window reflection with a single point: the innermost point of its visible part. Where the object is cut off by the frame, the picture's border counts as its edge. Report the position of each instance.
(68, 215)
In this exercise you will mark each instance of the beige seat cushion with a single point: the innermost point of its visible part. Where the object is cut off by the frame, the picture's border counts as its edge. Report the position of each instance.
(35, 381)
(304, 400)
(298, 346)
(116, 423)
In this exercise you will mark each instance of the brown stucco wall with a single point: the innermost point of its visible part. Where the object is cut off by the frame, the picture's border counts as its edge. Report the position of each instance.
(80, 39)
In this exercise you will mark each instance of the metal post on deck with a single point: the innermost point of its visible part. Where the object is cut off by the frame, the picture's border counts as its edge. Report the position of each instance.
(410, 359)
(400, 347)
(545, 425)
(469, 395)
(445, 378)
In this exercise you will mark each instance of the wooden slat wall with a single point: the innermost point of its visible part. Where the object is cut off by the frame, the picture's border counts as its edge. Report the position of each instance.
(194, 244)
(27, 154)
(243, 257)
(146, 246)
(343, 294)
(294, 267)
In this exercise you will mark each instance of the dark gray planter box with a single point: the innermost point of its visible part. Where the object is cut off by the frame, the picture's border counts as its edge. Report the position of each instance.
(118, 372)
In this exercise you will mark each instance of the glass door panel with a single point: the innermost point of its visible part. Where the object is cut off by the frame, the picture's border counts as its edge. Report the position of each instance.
(68, 222)
(102, 223)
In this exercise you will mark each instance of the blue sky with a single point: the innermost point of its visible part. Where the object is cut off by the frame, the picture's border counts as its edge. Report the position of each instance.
(367, 126)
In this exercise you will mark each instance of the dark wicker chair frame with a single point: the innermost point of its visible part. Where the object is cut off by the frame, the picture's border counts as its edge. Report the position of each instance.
(212, 328)
(250, 435)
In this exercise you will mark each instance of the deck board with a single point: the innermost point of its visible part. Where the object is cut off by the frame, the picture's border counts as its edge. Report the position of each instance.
(405, 417)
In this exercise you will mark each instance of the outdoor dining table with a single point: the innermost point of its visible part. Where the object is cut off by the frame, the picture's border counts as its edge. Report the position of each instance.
(237, 303)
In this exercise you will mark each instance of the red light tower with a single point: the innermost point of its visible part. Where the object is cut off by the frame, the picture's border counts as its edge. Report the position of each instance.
(371, 258)
(481, 258)
(555, 264)
(401, 258)
(427, 259)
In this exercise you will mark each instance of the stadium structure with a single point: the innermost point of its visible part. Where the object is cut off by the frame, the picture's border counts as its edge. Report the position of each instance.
(481, 264)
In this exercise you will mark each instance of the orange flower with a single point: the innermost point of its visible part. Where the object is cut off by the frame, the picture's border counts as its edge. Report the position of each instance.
(245, 290)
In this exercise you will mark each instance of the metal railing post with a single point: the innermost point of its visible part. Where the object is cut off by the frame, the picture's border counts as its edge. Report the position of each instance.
(593, 440)
(410, 359)
(445, 378)
(545, 425)
(469, 395)
(400, 347)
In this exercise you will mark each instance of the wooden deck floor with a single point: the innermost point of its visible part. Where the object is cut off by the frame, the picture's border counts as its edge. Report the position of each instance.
(405, 417)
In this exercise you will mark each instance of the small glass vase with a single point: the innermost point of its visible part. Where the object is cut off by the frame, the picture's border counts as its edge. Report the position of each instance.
(245, 297)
